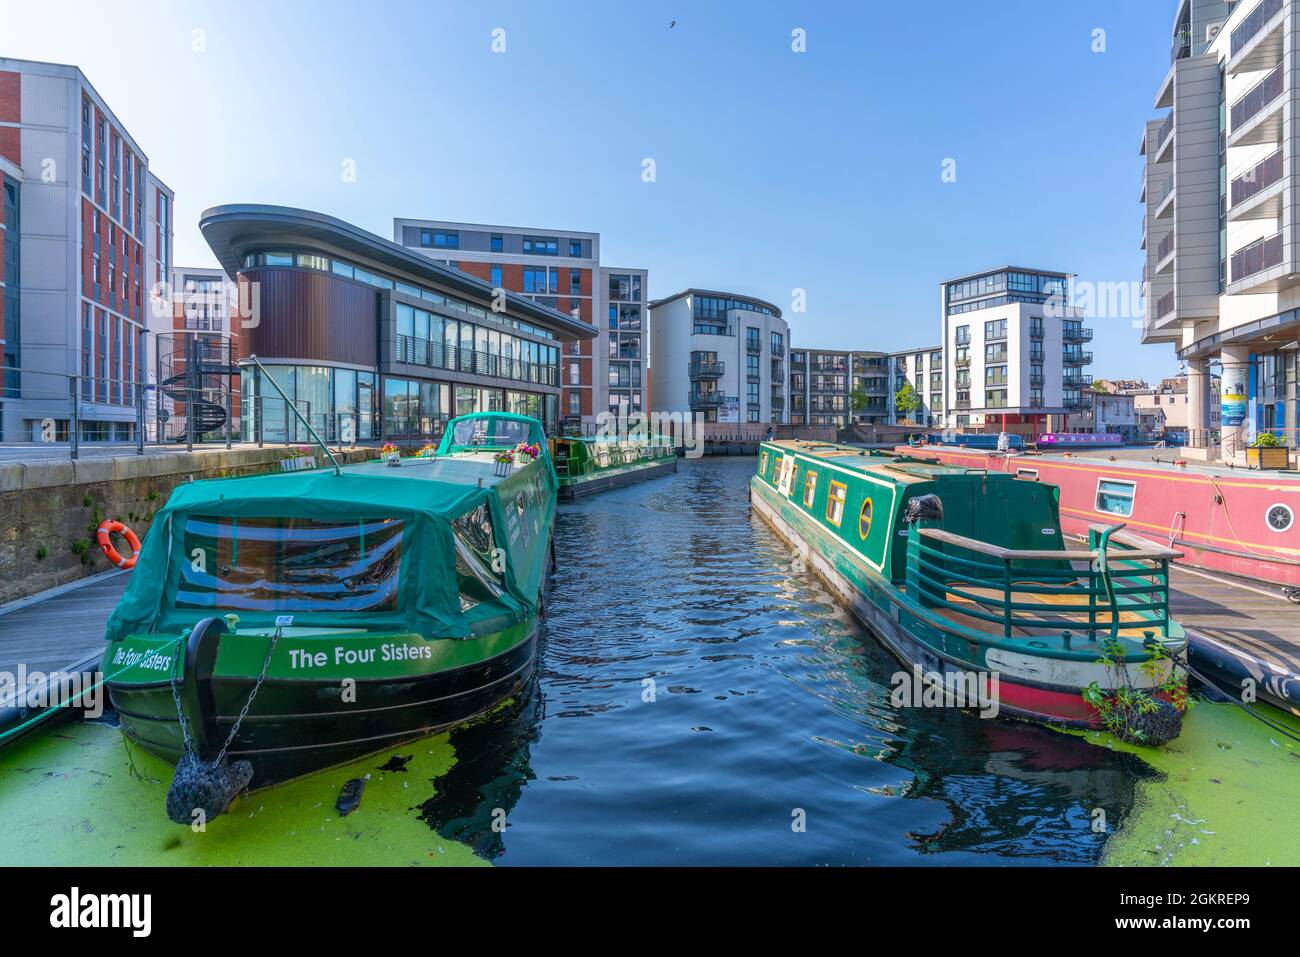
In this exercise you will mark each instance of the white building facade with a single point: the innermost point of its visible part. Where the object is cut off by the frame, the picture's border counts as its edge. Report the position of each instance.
(722, 355)
(923, 370)
(1219, 190)
(1014, 351)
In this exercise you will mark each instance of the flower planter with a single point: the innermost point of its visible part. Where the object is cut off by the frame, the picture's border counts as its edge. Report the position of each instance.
(522, 459)
(1268, 457)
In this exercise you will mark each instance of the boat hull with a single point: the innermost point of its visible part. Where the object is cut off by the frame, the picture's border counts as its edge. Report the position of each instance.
(297, 725)
(1036, 689)
(603, 481)
(1218, 522)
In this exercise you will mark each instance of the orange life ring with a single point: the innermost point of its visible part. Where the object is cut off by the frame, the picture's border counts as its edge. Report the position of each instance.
(107, 528)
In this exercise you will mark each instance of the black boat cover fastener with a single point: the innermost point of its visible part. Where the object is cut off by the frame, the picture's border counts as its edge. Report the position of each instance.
(923, 508)
(202, 786)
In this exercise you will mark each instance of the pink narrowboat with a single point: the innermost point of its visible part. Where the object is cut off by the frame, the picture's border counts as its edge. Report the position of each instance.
(1228, 520)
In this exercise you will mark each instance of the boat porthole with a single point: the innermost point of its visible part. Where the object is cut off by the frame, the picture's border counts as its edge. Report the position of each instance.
(864, 519)
(1279, 517)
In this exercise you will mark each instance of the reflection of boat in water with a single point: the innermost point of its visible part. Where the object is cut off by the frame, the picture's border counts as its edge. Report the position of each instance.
(343, 610)
(1222, 519)
(963, 574)
(587, 464)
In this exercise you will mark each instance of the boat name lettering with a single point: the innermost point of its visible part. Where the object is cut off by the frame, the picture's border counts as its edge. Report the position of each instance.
(149, 660)
(343, 655)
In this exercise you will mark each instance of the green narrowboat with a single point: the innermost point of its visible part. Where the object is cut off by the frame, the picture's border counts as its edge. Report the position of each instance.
(962, 572)
(587, 464)
(300, 620)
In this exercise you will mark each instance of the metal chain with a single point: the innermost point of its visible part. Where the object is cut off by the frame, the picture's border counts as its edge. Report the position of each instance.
(176, 694)
(275, 638)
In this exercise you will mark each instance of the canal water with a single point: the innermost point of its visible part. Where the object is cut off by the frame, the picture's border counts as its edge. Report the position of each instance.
(700, 701)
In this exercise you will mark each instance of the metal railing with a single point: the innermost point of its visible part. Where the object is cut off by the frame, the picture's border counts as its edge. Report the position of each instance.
(998, 585)
(1165, 304)
(1165, 246)
(1259, 96)
(707, 370)
(1258, 178)
(1258, 256)
(1162, 133)
(1252, 23)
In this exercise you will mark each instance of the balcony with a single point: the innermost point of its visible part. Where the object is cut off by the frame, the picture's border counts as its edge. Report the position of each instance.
(707, 370)
(962, 339)
(1253, 47)
(1252, 183)
(1165, 247)
(778, 403)
(1258, 256)
(709, 400)
(1075, 402)
(1036, 329)
(1165, 304)
(754, 346)
(1076, 334)
(961, 404)
(1163, 133)
(1035, 380)
(778, 349)
(1255, 104)
(962, 363)
(1076, 357)
(1164, 190)
(1076, 380)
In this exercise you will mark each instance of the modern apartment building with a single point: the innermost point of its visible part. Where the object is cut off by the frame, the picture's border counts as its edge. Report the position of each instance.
(722, 355)
(560, 269)
(1222, 279)
(837, 387)
(1013, 350)
(370, 339)
(922, 369)
(87, 236)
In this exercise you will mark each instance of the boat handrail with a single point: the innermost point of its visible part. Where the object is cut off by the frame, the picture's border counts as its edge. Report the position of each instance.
(1012, 554)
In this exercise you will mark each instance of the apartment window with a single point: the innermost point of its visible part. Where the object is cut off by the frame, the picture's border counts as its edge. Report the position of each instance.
(778, 341)
(575, 282)
(534, 279)
(497, 282)
(496, 243)
(313, 262)
(995, 398)
(963, 336)
(751, 366)
(751, 393)
(995, 329)
(95, 272)
(995, 375)
(541, 246)
(575, 373)
(575, 248)
(995, 352)
(575, 403)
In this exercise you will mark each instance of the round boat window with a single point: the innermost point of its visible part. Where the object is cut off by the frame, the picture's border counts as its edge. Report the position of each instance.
(864, 519)
(1279, 517)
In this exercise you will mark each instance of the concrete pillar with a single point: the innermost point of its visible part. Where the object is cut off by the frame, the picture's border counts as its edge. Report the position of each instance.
(1233, 399)
(1198, 402)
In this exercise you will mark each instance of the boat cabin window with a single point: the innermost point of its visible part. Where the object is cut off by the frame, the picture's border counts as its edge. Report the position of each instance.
(480, 565)
(835, 503)
(1029, 475)
(290, 564)
(762, 464)
(489, 431)
(864, 519)
(1115, 497)
(809, 488)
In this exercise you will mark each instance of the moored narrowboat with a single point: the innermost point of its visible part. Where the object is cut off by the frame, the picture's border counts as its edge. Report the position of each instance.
(299, 620)
(588, 464)
(964, 573)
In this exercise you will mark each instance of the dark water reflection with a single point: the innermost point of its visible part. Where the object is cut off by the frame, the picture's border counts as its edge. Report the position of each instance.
(768, 699)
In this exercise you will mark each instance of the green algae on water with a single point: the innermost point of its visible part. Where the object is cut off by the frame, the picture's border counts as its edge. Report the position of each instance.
(81, 794)
(1225, 795)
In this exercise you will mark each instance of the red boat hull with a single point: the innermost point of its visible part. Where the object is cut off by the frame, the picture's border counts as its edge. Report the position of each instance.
(1218, 521)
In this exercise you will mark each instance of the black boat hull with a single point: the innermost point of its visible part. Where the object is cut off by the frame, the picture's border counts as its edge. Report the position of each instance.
(297, 726)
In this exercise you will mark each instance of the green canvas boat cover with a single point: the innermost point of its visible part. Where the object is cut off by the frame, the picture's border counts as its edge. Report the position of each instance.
(445, 546)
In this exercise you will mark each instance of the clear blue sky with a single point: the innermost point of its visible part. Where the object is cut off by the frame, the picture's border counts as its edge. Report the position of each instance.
(775, 170)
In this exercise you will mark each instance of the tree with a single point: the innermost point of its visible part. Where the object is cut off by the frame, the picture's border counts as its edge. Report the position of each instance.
(858, 399)
(906, 401)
